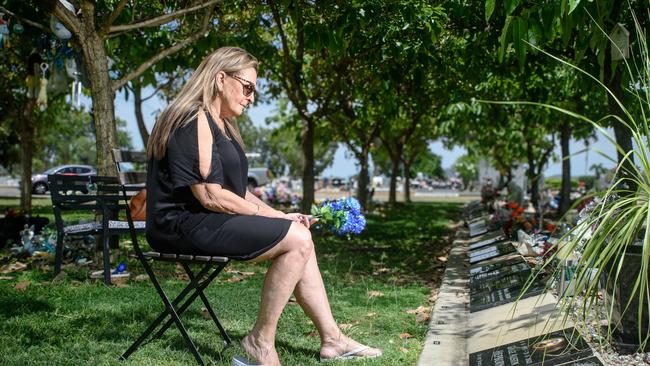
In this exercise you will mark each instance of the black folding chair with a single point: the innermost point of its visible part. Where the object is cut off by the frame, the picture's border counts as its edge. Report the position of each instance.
(210, 267)
(92, 195)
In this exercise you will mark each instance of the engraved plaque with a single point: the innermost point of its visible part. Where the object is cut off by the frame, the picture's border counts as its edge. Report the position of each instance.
(490, 251)
(564, 347)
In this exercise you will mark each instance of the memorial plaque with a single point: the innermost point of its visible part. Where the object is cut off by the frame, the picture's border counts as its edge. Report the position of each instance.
(481, 300)
(500, 278)
(490, 251)
(520, 268)
(478, 269)
(565, 347)
(496, 237)
(477, 228)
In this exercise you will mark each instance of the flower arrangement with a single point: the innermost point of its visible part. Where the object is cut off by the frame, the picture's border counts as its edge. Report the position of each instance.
(342, 216)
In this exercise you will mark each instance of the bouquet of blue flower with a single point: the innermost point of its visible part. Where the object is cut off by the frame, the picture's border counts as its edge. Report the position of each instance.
(342, 216)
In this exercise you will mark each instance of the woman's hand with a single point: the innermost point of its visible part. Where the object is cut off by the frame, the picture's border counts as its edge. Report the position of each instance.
(306, 220)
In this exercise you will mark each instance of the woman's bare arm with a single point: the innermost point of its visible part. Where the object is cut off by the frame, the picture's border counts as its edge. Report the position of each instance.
(211, 195)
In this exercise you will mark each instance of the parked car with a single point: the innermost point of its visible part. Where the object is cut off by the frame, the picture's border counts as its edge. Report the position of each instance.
(257, 174)
(39, 181)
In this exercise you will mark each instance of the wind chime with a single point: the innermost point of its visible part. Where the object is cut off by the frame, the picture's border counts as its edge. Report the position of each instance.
(52, 66)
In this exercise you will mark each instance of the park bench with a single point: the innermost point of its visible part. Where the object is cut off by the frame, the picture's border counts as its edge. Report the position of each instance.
(94, 195)
(210, 267)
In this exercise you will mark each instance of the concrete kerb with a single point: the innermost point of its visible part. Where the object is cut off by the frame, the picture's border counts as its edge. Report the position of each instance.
(446, 340)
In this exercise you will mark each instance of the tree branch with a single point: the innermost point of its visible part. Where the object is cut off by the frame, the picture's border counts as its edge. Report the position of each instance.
(295, 92)
(115, 85)
(153, 22)
(106, 26)
(25, 20)
(68, 18)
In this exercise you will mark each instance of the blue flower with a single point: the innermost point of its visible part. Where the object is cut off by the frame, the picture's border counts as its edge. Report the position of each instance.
(342, 217)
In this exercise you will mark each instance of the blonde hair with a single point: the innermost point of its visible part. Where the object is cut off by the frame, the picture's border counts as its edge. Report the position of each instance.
(198, 94)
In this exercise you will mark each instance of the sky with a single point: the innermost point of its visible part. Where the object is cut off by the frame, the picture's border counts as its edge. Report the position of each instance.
(344, 165)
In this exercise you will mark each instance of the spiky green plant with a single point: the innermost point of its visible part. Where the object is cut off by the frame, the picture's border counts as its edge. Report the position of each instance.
(620, 215)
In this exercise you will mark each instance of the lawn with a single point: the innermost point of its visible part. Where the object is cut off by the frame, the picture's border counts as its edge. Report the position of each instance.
(373, 280)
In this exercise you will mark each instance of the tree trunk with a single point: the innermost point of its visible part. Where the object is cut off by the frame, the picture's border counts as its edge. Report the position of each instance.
(533, 179)
(26, 150)
(96, 65)
(307, 145)
(392, 193)
(565, 192)
(622, 133)
(407, 182)
(137, 94)
(362, 183)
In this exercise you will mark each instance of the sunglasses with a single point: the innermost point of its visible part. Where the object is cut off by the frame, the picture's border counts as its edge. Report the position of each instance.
(248, 88)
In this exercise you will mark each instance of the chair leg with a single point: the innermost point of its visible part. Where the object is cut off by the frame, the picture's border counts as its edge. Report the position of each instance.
(226, 339)
(171, 310)
(107, 259)
(58, 256)
(198, 287)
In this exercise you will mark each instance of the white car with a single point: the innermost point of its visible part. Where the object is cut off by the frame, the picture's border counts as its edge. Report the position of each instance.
(257, 175)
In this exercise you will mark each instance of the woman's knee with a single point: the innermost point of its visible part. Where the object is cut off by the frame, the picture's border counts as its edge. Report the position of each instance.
(300, 240)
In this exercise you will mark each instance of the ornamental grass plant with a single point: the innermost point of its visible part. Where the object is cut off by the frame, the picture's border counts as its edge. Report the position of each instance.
(611, 242)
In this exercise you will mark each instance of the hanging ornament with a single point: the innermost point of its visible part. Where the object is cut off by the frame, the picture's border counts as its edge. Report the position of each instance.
(71, 70)
(33, 67)
(4, 32)
(59, 29)
(18, 28)
(41, 100)
(4, 25)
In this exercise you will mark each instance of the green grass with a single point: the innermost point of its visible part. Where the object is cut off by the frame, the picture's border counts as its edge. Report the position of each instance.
(80, 321)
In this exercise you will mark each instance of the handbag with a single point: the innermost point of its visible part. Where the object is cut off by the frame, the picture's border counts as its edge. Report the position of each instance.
(138, 206)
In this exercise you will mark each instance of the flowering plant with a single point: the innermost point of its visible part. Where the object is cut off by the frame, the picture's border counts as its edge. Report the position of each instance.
(342, 216)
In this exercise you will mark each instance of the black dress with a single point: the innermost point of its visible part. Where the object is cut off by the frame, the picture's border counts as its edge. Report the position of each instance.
(178, 223)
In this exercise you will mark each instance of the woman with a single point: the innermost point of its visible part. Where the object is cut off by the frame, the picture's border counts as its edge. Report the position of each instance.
(197, 203)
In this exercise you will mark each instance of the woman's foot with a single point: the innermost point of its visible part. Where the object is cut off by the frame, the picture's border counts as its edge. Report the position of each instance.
(260, 350)
(344, 348)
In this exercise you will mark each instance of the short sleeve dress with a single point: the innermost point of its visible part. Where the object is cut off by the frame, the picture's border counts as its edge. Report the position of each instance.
(176, 220)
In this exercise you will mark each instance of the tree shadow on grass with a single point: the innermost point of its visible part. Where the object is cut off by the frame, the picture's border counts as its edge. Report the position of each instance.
(18, 305)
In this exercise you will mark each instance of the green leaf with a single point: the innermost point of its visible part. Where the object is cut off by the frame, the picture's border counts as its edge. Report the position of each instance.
(511, 5)
(504, 37)
(573, 4)
(489, 9)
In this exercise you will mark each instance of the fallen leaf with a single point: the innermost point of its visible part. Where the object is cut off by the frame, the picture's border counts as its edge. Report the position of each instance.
(119, 284)
(76, 282)
(58, 278)
(433, 298)
(421, 318)
(234, 279)
(420, 309)
(404, 335)
(247, 273)
(372, 313)
(442, 258)
(22, 286)
(375, 294)
(404, 350)
(205, 313)
(141, 278)
(346, 326)
(12, 267)
(6, 278)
